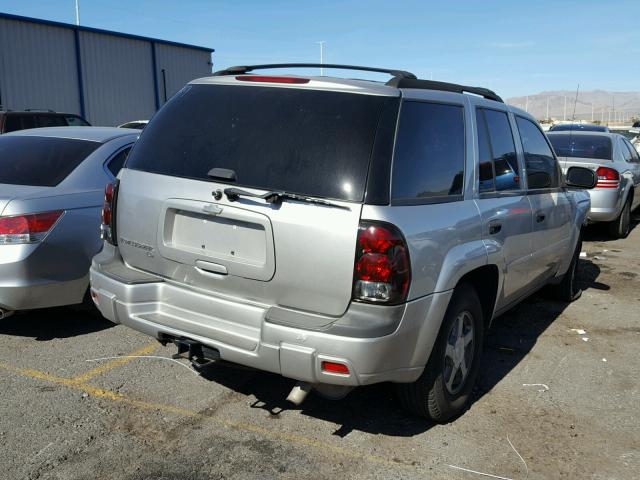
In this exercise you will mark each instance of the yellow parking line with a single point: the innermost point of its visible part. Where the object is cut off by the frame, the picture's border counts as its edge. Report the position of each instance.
(118, 362)
(290, 438)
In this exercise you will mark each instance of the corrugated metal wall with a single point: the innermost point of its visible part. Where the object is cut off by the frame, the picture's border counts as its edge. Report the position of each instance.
(117, 78)
(180, 65)
(39, 70)
(37, 67)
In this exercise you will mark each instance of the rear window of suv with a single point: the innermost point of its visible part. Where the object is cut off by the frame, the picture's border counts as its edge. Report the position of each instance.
(40, 161)
(311, 142)
(581, 146)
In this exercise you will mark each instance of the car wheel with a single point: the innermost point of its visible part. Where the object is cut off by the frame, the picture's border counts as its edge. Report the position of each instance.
(568, 290)
(442, 392)
(620, 227)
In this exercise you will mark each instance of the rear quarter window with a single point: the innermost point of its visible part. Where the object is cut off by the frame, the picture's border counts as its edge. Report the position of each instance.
(428, 163)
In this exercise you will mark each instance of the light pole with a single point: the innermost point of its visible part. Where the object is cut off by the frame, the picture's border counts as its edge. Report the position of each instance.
(547, 108)
(78, 12)
(565, 109)
(321, 43)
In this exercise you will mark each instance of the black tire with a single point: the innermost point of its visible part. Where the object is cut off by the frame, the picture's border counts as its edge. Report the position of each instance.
(621, 226)
(430, 396)
(568, 290)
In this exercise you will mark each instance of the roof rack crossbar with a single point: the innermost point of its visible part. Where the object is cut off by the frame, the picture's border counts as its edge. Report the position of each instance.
(443, 86)
(242, 69)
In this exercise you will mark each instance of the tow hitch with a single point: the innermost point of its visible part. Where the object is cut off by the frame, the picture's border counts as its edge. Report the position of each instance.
(200, 356)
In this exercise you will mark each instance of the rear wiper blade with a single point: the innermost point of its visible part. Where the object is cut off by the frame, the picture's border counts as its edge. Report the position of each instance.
(276, 197)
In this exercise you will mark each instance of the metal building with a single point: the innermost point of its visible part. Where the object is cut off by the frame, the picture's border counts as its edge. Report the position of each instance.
(107, 77)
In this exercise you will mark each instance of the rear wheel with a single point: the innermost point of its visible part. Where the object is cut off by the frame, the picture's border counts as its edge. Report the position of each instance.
(568, 290)
(443, 390)
(620, 227)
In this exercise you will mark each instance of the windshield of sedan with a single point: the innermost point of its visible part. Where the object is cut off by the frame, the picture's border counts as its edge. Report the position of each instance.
(40, 161)
(582, 146)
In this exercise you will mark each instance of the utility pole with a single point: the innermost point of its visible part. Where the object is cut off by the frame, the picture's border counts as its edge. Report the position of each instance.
(321, 43)
(526, 105)
(602, 118)
(78, 12)
(565, 108)
(591, 112)
(547, 108)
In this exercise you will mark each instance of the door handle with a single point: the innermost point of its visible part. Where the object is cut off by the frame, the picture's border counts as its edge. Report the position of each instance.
(540, 217)
(494, 227)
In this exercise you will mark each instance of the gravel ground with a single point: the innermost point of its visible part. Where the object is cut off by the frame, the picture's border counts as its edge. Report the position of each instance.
(552, 402)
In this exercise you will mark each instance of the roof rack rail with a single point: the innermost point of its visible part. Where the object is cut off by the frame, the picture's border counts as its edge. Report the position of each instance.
(242, 69)
(443, 86)
(48, 110)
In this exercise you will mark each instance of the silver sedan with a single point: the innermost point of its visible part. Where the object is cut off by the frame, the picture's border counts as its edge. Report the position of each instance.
(52, 184)
(617, 166)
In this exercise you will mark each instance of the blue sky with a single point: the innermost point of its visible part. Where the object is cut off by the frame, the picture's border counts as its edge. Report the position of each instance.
(514, 47)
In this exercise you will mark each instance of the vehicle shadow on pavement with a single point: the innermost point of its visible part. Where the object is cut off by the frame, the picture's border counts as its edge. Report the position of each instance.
(50, 323)
(598, 232)
(375, 409)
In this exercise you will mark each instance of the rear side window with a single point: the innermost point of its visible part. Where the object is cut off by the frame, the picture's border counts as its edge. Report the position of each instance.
(13, 123)
(582, 146)
(429, 158)
(498, 160)
(541, 165)
(40, 161)
(117, 162)
(311, 142)
(634, 153)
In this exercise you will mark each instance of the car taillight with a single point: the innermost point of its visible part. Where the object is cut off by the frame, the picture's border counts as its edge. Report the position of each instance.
(382, 271)
(29, 228)
(108, 229)
(607, 178)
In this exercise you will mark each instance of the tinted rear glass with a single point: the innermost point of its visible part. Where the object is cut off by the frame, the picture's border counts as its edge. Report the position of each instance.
(578, 127)
(303, 141)
(584, 146)
(14, 122)
(40, 161)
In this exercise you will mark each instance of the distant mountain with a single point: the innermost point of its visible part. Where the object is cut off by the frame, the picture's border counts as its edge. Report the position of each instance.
(607, 106)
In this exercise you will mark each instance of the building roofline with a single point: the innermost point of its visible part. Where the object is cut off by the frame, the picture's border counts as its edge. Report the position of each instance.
(52, 23)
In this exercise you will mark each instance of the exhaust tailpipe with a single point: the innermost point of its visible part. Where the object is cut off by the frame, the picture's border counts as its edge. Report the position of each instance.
(299, 393)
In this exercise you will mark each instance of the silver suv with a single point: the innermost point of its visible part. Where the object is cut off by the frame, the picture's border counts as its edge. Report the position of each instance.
(337, 232)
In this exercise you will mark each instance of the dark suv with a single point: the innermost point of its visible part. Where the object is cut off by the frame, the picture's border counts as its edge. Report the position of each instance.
(11, 121)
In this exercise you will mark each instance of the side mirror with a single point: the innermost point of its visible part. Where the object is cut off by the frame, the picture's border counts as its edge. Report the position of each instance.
(580, 177)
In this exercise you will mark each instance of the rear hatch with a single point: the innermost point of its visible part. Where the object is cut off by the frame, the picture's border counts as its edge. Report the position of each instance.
(175, 220)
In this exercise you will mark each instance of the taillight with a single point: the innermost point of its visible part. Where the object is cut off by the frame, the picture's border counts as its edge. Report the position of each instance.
(30, 228)
(108, 229)
(607, 178)
(382, 271)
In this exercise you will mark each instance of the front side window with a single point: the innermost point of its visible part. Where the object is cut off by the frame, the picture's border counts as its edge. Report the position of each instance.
(497, 152)
(429, 158)
(541, 165)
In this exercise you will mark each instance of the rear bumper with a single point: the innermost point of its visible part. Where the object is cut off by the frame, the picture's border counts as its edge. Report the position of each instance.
(28, 278)
(243, 335)
(606, 204)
